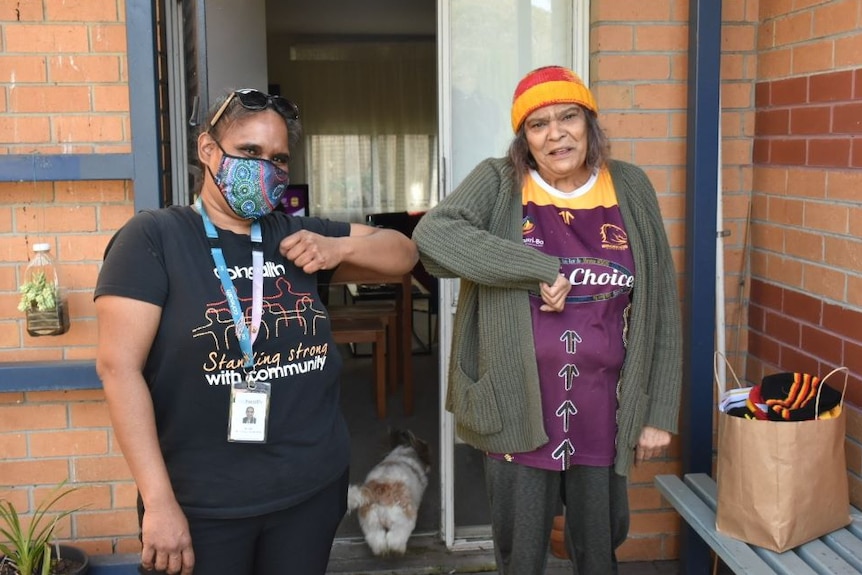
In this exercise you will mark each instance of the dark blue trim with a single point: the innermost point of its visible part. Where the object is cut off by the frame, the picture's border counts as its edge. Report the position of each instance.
(143, 103)
(704, 116)
(65, 167)
(48, 376)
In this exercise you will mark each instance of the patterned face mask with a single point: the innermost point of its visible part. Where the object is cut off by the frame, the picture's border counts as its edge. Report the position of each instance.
(252, 187)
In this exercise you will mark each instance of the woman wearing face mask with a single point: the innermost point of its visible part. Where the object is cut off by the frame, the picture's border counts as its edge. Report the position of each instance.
(208, 310)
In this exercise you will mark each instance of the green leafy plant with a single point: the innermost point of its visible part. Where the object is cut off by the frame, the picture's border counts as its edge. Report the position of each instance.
(28, 550)
(38, 293)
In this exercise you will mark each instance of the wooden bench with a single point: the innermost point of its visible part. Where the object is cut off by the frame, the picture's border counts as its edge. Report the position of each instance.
(694, 498)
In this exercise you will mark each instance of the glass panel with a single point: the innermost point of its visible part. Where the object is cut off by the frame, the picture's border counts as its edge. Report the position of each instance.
(488, 47)
(492, 45)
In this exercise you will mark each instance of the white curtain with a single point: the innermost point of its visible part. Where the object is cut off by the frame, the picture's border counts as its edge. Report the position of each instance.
(370, 128)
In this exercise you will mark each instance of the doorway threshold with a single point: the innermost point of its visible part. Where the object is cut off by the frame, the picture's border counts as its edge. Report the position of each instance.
(426, 555)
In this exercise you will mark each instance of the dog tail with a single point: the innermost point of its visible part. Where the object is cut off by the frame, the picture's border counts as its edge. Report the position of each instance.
(355, 497)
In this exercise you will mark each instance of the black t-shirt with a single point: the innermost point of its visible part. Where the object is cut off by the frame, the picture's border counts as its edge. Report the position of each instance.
(163, 257)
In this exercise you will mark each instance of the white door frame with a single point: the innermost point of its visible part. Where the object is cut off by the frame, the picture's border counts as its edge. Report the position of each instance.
(453, 538)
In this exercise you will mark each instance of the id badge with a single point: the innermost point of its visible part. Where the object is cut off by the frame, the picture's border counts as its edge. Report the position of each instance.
(248, 419)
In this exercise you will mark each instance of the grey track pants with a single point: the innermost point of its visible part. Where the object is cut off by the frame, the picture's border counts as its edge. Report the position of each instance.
(524, 500)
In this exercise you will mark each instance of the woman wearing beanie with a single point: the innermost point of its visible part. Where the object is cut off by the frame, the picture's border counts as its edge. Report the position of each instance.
(566, 357)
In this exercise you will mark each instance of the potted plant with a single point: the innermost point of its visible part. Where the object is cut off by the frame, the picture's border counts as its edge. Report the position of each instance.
(30, 551)
(46, 311)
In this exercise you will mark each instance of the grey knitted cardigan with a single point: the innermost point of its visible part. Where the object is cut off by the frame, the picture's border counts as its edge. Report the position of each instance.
(493, 389)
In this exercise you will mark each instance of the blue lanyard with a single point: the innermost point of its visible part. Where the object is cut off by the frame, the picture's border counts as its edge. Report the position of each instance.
(245, 338)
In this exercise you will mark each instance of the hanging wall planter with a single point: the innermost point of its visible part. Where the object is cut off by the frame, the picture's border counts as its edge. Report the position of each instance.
(47, 312)
(49, 322)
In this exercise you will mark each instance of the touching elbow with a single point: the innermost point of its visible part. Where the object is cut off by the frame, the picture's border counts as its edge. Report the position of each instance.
(414, 254)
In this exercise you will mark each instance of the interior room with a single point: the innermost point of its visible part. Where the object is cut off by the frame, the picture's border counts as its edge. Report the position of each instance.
(364, 76)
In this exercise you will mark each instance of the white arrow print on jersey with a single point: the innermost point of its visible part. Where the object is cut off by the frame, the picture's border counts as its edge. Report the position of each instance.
(566, 410)
(563, 453)
(571, 339)
(570, 372)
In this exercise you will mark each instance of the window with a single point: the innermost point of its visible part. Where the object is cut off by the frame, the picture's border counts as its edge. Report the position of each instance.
(355, 175)
(369, 115)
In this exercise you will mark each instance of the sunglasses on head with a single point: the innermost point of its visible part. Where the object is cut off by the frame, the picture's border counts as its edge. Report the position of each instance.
(257, 100)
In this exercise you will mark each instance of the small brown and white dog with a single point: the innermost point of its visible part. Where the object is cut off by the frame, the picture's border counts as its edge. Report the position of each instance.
(389, 499)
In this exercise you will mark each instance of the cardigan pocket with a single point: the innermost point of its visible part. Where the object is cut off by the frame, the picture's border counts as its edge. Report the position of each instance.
(475, 403)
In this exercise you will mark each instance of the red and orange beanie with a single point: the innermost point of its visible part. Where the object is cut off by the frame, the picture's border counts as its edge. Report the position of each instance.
(546, 86)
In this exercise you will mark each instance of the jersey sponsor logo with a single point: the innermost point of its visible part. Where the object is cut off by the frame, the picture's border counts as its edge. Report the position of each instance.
(614, 237)
(595, 279)
(528, 226)
(270, 270)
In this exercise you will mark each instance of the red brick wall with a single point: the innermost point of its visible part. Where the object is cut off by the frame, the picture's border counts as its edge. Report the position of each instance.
(639, 70)
(63, 89)
(806, 252)
(638, 74)
(811, 121)
(63, 74)
(76, 218)
(46, 437)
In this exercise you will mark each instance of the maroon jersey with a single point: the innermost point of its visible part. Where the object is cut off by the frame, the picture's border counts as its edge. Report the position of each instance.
(579, 351)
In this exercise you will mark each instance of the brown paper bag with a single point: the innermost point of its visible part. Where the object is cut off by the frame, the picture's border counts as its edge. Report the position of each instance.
(781, 484)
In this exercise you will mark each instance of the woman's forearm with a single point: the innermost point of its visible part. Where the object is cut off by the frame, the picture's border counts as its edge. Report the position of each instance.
(131, 410)
(377, 250)
(127, 329)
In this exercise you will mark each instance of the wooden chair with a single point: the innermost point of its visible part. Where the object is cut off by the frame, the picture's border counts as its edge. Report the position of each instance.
(346, 329)
(381, 313)
(397, 318)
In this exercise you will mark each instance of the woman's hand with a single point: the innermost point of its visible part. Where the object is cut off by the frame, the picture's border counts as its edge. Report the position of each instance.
(652, 443)
(554, 296)
(167, 541)
(312, 252)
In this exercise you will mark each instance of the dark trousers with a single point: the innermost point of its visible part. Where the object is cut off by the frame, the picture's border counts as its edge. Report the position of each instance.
(523, 503)
(294, 541)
